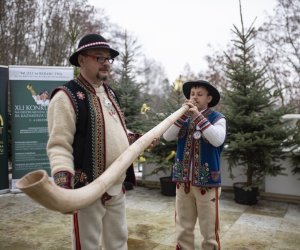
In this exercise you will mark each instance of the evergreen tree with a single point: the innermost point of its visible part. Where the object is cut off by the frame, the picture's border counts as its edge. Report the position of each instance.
(129, 90)
(295, 150)
(256, 135)
(163, 154)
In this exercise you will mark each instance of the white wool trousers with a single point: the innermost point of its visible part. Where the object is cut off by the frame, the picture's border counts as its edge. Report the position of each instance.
(101, 227)
(201, 204)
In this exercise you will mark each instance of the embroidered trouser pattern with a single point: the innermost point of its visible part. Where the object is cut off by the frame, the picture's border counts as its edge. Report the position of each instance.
(193, 205)
(101, 227)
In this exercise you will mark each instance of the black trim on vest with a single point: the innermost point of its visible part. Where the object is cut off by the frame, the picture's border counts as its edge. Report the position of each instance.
(88, 146)
(83, 148)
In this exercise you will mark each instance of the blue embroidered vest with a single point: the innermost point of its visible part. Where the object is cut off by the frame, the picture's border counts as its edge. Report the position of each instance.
(198, 153)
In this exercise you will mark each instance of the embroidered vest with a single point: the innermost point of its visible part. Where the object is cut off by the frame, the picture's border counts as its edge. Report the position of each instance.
(89, 138)
(198, 153)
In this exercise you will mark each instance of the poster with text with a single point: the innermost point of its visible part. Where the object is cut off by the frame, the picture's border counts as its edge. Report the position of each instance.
(4, 179)
(30, 89)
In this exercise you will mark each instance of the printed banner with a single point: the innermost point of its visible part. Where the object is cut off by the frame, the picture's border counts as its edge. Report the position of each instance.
(31, 88)
(4, 177)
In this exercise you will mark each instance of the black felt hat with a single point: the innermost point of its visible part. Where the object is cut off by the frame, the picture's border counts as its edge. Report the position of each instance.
(186, 88)
(91, 41)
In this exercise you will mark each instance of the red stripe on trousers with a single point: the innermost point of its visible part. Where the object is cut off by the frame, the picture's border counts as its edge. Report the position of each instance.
(76, 231)
(217, 220)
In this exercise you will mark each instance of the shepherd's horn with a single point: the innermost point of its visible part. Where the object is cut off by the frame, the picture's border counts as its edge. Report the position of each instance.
(44, 191)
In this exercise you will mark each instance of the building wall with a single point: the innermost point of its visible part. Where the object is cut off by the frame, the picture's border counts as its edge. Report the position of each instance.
(284, 184)
(288, 184)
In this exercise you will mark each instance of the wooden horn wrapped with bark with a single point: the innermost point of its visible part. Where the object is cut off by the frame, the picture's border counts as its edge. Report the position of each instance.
(44, 191)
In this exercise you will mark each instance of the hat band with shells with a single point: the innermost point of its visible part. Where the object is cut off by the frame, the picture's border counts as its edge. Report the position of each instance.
(93, 44)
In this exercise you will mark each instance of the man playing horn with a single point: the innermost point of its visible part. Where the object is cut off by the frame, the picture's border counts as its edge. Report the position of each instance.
(87, 132)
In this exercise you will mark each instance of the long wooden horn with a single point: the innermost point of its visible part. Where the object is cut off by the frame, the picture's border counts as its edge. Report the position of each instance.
(44, 191)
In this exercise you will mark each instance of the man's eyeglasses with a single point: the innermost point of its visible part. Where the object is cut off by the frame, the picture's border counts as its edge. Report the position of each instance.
(101, 59)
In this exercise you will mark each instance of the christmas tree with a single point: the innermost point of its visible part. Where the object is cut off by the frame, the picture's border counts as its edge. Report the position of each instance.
(256, 135)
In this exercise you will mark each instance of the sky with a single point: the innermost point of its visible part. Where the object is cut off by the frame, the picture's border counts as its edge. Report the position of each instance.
(176, 32)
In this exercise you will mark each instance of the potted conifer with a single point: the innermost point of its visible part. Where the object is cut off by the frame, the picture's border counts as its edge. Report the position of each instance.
(163, 155)
(256, 136)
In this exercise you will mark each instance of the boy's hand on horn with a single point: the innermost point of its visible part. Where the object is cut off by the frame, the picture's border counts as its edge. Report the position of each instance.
(193, 109)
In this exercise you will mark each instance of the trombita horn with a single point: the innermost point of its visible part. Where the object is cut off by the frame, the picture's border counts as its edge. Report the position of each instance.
(44, 191)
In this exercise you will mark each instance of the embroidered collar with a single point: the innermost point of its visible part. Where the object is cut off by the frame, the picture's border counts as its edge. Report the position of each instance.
(86, 84)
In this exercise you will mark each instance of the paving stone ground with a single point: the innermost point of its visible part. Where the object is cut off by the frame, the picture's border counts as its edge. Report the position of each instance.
(269, 225)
